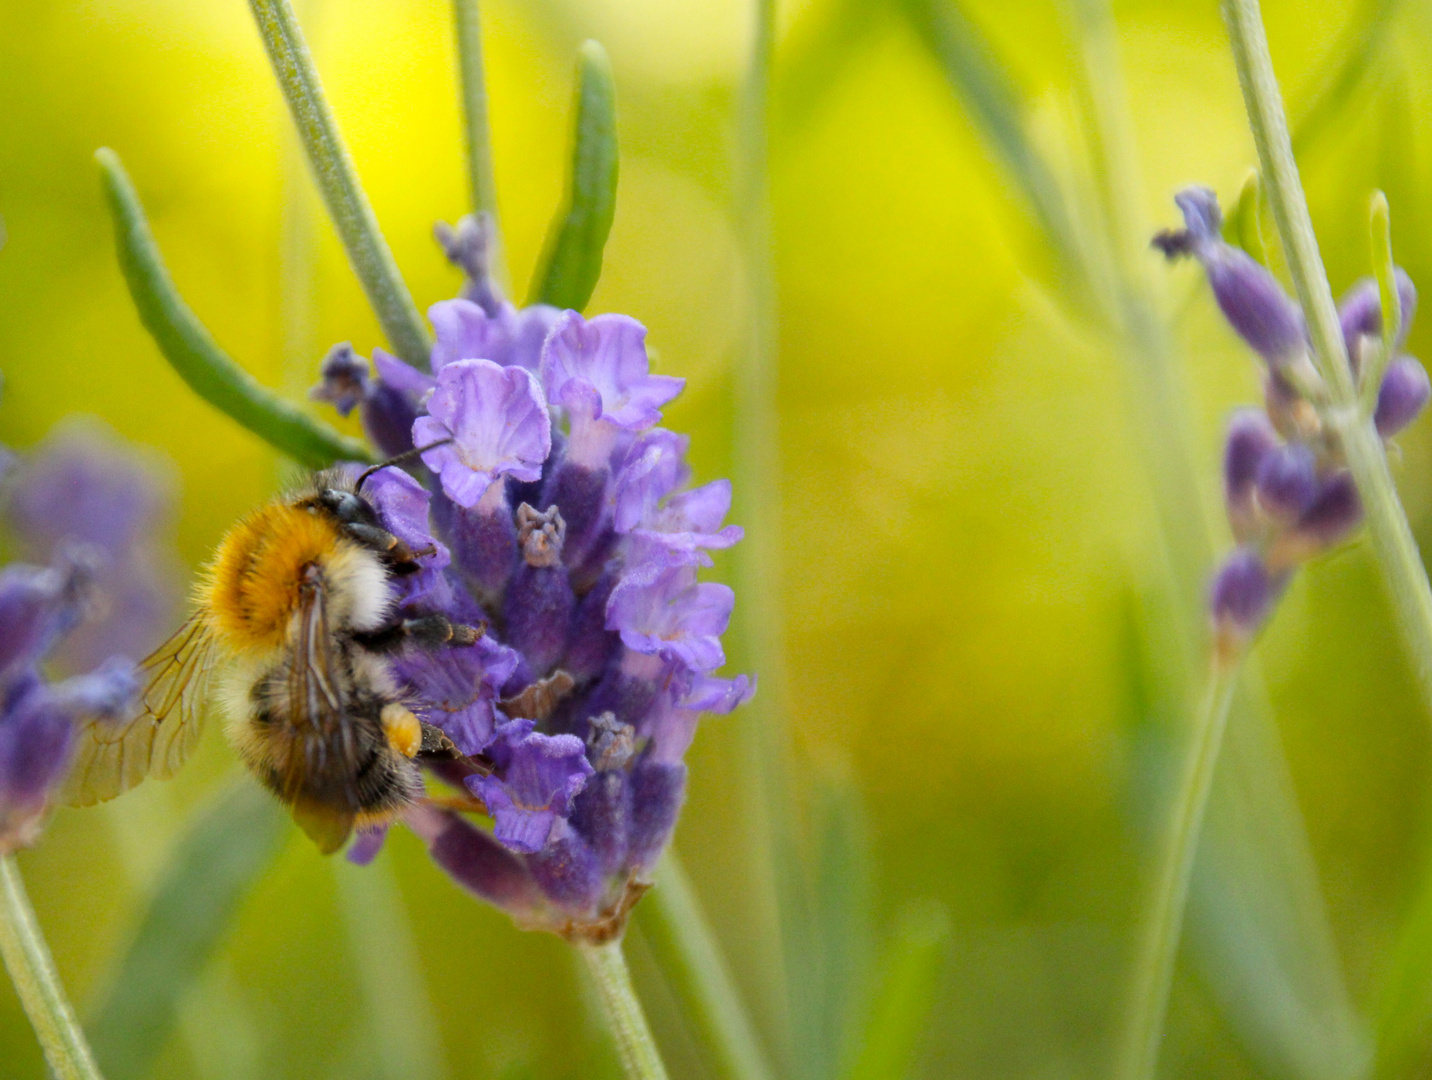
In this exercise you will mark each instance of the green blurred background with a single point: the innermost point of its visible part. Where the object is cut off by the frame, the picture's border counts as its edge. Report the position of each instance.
(966, 505)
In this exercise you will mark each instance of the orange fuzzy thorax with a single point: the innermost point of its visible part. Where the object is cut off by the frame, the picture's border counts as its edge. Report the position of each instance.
(253, 583)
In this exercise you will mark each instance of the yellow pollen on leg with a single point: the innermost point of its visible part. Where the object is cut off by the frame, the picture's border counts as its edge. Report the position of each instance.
(404, 731)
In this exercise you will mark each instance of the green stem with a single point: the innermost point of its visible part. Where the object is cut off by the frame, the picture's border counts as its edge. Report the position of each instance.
(1159, 946)
(474, 109)
(674, 923)
(635, 1046)
(32, 970)
(192, 351)
(1392, 539)
(342, 193)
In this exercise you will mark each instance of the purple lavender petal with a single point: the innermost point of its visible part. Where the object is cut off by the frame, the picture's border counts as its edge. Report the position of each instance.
(669, 613)
(366, 845)
(538, 614)
(497, 419)
(1360, 312)
(38, 606)
(1242, 594)
(1250, 297)
(1287, 481)
(456, 688)
(601, 815)
(536, 778)
(483, 539)
(1334, 513)
(343, 379)
(709, 693)
(598, 369)
(658, 790)
(476, 861)
(655, 466)
(1402, 396)
(403, 506)
(507, 337)
(391, 403)
(1251, 438)
(568, 872)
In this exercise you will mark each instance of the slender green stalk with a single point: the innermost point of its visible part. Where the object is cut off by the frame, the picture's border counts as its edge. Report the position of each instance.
(635, 1046)
(192, 351)
(1392, 538)
(481, 181)
(672, 920)
(27, 958)
(347, 203)
(1159, 946)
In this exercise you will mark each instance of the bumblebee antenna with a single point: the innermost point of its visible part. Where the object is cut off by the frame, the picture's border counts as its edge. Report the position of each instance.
(399, 459)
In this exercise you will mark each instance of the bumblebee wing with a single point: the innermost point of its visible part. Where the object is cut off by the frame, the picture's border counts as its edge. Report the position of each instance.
(112, 756)
(322, 740)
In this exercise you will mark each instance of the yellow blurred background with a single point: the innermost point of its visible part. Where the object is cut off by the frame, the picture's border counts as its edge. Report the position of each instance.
(965, 513)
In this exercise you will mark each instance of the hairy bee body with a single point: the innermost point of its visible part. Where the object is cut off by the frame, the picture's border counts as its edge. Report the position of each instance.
(298, 605)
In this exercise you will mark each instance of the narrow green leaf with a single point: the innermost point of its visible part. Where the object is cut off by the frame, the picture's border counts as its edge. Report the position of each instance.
(571, 263)
(674, 924)
(192, 351)
(1383, 268)
(347, 203)
(842, 947)
(1353, 58)
(212, 871)
(901, 1006)
(994, 106)
(1243, 227)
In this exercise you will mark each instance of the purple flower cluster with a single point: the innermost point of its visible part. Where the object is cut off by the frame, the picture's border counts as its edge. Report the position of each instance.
(1287, 489)
(560, 520)
(84, 506)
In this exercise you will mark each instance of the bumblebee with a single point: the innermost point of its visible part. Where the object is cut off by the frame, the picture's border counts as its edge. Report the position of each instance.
(296, 610)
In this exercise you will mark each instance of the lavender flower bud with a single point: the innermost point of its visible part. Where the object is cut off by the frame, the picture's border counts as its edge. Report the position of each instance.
(1251, 438)
(1241, 596)
(1250, 297)
(1360, 313)
(1287, 482)
(343, 379)
(1403, 394)
(1334, 513)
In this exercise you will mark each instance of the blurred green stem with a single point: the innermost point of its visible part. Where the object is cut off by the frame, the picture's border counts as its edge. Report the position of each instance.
(675, 925)
(635, 1046)
(27, 958)
(1159, 946)
(1392, 539)
(777, 900)
(347, 203)
(481, 180)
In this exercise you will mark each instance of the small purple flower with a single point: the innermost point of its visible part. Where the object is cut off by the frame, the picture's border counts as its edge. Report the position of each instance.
(1251, 298)
(497, 420)
(38, 606)
(665, 611)
(1402, 396)
(597, 370)
(540, 776)
(1251, 438)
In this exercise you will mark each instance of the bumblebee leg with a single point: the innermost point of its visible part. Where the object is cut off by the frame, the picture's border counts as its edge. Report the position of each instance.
(427, 631)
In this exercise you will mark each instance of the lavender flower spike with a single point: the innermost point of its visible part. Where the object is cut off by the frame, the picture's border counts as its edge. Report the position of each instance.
(1250, 297)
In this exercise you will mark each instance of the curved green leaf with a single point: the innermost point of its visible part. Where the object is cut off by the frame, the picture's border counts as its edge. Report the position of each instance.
(571, 263)
(209, 875)
(192, 351)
